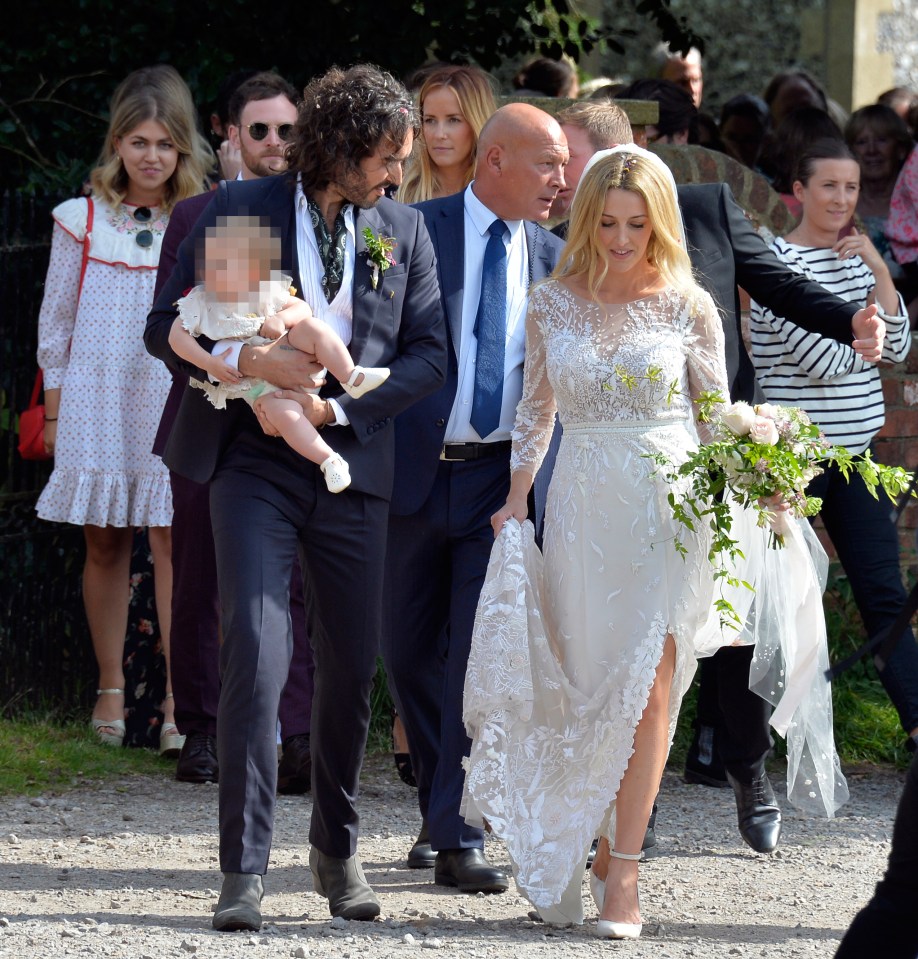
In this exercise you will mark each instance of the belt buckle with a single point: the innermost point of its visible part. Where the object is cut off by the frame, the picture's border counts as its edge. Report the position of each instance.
(451, 459)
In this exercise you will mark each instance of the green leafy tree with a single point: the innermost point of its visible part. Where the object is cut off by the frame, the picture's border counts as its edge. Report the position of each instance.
(56, 76)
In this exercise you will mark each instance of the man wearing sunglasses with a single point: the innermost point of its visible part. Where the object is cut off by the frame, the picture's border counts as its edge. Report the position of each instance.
(270, 101)
(364, 264)
(262, 113)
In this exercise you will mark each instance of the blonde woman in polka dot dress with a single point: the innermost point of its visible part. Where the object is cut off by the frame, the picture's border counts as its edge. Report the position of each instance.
(103, 392)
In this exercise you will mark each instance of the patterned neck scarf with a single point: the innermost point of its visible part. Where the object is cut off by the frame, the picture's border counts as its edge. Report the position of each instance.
(331, 248)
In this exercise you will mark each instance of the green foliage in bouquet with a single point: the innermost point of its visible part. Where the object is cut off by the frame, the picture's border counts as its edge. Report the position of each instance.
(758, 457)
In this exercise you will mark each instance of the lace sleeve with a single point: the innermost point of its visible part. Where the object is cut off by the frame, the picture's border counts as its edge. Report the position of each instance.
(535, 415)
(706, 356)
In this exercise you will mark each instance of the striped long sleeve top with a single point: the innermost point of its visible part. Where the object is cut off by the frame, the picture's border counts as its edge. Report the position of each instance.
(839, 391)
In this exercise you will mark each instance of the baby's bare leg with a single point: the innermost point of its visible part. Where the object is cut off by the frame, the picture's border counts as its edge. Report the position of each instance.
(314, 337)
(288, 418)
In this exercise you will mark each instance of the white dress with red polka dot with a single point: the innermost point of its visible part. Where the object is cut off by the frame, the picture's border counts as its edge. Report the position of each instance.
(112, 390)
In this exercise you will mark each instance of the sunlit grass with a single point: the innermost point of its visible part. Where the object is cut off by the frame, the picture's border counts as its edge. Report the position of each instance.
(38, 755)
(42, 753)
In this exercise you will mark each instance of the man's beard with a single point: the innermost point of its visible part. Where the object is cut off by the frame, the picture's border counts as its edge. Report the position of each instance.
(355, 188)
(259, 165)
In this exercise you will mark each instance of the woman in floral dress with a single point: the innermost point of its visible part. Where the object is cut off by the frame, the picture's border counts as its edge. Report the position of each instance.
(103, 393)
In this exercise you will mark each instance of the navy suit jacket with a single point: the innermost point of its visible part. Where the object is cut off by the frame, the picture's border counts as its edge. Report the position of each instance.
(399, 325)
(420, 430)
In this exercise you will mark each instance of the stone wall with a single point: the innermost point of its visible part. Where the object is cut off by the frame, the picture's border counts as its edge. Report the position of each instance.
(898, 34)
(748, 41)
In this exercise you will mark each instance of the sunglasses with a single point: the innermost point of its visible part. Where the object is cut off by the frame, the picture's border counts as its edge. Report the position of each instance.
(144, 239)
(258, 131)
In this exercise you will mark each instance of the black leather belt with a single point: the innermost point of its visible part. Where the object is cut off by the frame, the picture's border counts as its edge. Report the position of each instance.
(460, 452)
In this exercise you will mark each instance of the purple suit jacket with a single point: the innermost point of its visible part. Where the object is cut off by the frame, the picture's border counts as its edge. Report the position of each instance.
(183, 219)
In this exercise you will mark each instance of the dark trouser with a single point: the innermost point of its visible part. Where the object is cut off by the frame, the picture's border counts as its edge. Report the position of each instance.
(436, 563)
(886, 926)
(868, 547)
(263, 512)
(195, 639)
(738, 715)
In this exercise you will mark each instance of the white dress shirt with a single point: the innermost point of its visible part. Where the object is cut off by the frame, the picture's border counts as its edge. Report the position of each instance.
(477, 220)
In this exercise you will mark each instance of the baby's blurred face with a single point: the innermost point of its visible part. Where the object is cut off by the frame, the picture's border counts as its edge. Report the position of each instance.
(238, 260)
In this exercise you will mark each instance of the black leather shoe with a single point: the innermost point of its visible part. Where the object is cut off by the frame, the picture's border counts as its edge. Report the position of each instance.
(344, 885)
(757, 813)
(702, 762)
(468, 871)
(591, 855)
(421, 856)
(294, 774)
(650, 836)
(197, 762)
(239, 905)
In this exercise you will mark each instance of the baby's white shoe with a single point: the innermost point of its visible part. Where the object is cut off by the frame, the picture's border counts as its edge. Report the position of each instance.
(337, 475)
(373, 376)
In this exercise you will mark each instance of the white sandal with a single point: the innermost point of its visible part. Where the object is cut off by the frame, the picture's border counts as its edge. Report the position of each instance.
(373, 376)
(102, 727)
(170, 739)
(608, 928)
(336, 473)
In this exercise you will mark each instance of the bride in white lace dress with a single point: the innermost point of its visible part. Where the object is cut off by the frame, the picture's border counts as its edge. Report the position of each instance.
(622, 614)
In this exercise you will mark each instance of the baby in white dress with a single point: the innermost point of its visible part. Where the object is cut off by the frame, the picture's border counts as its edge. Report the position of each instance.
(236, 302)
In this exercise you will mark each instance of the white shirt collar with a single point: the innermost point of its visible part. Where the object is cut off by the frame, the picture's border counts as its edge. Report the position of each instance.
(482, 217)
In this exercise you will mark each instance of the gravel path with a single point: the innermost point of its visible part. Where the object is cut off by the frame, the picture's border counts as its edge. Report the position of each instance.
(130, 871)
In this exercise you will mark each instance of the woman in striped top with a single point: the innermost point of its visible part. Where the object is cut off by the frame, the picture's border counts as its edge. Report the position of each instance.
(843, 394)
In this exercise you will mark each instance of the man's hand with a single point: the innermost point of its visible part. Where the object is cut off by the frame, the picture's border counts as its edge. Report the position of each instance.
(869, 332)
(229, 159)
(281, 364)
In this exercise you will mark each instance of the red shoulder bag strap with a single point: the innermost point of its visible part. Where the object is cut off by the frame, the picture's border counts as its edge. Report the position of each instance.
(89, 218)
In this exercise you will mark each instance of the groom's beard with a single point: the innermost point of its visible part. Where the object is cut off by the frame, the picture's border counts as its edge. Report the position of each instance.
(356, 188)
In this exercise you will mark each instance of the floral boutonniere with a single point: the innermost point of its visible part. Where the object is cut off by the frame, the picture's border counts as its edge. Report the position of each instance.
(379, 253)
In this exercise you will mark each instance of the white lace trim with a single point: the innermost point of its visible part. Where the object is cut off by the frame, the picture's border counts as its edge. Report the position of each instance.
(113, 231)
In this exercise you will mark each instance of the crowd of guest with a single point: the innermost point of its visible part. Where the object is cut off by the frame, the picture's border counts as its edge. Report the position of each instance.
(275, 592)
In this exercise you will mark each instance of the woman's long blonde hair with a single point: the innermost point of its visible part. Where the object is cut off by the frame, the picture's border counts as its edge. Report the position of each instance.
(583, 254)
(476, 103)
(154, 93)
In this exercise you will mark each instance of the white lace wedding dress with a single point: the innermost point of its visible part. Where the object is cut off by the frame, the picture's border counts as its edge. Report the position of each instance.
(561, 664)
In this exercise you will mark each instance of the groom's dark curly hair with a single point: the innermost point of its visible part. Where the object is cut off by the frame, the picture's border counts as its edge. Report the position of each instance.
(344, 116)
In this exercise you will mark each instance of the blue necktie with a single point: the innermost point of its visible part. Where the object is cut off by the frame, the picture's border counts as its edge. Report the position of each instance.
(491, 332)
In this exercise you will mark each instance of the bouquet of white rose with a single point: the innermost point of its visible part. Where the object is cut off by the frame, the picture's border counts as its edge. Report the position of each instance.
(759, 456)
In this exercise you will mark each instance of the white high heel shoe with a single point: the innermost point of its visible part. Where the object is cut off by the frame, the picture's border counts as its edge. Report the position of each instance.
(170, 739)
(608, 928)
(110, 732)
(373, 376)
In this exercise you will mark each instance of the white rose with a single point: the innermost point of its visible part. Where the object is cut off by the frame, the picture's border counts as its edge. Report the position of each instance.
(739, 418)
(766, 409)
(733, 465)
(763, 430)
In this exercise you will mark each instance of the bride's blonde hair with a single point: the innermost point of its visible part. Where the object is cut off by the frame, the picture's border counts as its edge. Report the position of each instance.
(583, 254)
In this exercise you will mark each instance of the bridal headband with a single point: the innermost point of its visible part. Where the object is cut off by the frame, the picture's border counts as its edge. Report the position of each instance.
(635, 150)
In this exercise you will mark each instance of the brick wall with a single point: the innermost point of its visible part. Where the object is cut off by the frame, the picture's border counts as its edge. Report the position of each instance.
(897, 442)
